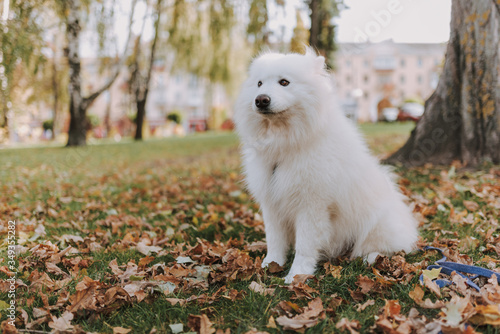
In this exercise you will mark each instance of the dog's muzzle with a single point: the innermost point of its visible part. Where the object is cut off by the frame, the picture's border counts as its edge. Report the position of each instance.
(262, 102)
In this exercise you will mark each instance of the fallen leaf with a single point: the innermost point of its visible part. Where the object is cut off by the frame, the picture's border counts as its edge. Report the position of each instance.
(143, 248)
(471, 205)
(256, 287)
(121, 330)
(347, 325)
(62, 323)
(361, 307)
(176, 328)
(201, 324)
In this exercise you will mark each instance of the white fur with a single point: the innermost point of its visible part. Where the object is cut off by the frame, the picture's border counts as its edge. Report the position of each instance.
(327, 194)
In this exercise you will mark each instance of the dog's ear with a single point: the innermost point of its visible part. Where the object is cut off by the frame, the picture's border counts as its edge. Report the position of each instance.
(319, 63)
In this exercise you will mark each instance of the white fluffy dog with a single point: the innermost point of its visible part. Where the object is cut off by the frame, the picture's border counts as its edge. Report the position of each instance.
(305, 163)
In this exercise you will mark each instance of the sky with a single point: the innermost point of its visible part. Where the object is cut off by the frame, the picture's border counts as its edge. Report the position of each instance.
(405, 21)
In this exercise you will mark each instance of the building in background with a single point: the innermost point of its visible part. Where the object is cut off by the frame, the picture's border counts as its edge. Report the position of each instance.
(370, 76)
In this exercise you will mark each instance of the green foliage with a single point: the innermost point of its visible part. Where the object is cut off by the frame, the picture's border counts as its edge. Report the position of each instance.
(257, 28)
(21, 44)
(175, 116)
(48, 125)
(93, 120)
(414, 99)
(324, 38)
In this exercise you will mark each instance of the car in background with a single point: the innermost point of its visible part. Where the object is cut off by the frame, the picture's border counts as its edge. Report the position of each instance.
(411, 111)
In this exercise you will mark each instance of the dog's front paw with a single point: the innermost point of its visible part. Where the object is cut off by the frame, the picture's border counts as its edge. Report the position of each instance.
(370, 258)
(268, 259)
(289, 278)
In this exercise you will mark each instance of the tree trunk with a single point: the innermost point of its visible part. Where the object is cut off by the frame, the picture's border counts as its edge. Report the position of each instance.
(142, 87)
(55, 88)
(139, 120)
(77, 109)
(462, 117)
(77, 133)
(78, 104)
(315, 23)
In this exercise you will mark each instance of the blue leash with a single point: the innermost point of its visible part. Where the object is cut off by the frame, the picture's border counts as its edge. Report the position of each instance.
(447, 267)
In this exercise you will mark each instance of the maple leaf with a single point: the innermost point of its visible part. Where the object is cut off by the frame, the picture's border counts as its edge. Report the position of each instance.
(62, 323)
(366, 284)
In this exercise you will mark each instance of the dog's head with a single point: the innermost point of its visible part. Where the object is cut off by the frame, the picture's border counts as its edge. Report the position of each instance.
(283, 96)
(283, 82)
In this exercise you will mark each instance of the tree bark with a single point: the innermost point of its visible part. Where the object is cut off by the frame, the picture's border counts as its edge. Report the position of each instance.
(315, 23)
(78, 103)
(77, 110)
(142, 86)
(55, 88)
(462, 117)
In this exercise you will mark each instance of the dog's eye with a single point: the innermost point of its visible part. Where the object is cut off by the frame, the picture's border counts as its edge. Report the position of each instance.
(259, 83)
(284, 82)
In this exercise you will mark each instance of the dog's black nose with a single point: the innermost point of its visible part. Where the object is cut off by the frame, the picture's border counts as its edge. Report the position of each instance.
(262, 101)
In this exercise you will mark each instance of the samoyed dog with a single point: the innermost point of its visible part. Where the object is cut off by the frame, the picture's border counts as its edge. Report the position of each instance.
(307, 166)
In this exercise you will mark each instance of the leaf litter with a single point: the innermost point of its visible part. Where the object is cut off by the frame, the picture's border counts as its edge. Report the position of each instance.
(191, 239)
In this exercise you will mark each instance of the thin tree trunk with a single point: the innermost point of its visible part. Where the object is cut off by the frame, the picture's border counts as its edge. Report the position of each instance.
(142, 89)
(139, 120)
(77, 110)
(462, 117)
(55, 88)
(314, 30)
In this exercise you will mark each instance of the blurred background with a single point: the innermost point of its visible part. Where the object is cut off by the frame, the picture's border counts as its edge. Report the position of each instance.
(75, 71)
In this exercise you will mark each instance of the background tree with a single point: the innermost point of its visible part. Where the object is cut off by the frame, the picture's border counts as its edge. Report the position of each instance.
(140, 78)
(462, 117)
(300, 36)
(71, 11)
(204, 40)
(322, 30)
(21, 43)
(257, 28)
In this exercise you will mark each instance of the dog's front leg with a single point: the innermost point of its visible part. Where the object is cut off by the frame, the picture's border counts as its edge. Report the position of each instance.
(310, 233)
(277, 238)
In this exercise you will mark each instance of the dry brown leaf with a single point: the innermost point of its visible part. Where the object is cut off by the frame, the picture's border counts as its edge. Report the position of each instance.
(7, 328)
(432, 286)
(486, 315)
(365, 283)
(175, 301)
(332, 270)
(347, 325)
(121, 330)
(200, 324)
(361, 307)
(256, 287)
(62, 323)
(308, 318)
(274, 268)
(471, 206)
(83, 300)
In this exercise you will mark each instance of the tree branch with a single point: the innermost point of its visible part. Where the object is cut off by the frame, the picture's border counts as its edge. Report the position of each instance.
(497, 5)
(87, 101)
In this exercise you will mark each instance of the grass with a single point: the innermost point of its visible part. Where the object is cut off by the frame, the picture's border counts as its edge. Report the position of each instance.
(188, 189)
